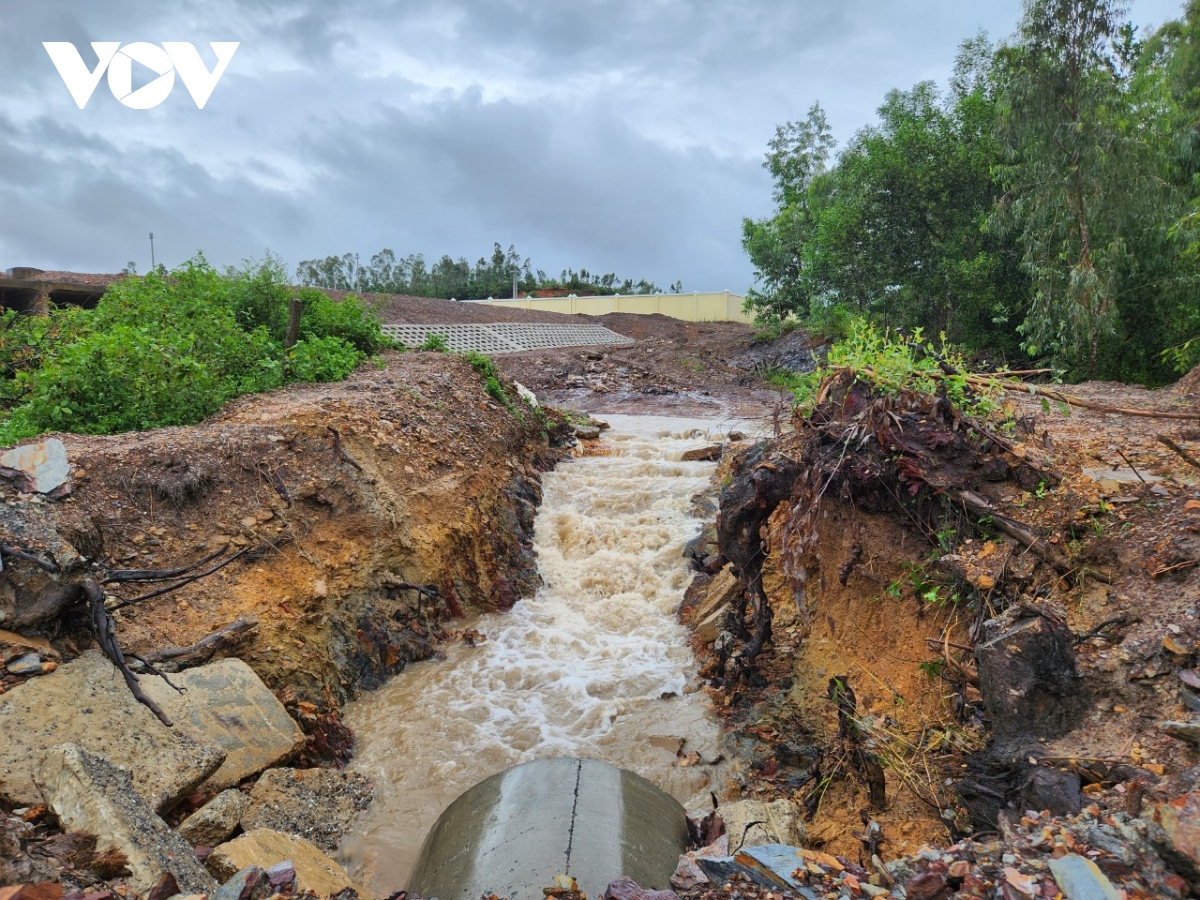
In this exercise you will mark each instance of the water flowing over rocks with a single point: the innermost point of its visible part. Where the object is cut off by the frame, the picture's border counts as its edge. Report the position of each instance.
(593, 664)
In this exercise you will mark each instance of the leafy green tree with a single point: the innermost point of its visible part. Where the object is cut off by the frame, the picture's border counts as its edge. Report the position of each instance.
(1071, 171)
(797, 160)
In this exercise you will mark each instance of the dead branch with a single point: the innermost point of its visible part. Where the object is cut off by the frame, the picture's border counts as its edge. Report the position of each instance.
(339, 452)
(182, 582)
(1187, 457)
(1178, 567)
(207, 647)
(106, 636)
(980, 506)
(126, 576)
(17, 553)
(1020, 387)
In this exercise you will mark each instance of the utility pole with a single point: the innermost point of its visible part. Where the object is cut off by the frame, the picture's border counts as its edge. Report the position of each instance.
(514, 284)
(152, 266)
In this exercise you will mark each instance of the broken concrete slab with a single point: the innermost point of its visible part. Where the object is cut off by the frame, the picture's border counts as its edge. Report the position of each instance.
(226, 703)
(315, 804)
(215, 821)
(88, 793)
(44, 466)
(87, 701)
(262, 847)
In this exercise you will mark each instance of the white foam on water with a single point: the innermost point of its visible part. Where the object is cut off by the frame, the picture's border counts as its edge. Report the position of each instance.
(594, 665)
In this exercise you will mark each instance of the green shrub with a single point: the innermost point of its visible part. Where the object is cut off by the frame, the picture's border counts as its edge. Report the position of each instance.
(321, 359)
(350, 320)
(170, 349)
(435, 343)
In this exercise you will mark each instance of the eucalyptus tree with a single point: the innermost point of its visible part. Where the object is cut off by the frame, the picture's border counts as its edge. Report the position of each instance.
(1073, 172)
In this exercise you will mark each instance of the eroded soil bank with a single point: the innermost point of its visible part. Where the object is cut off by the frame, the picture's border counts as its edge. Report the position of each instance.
(343, 497)
(966, 633)
(373, 513)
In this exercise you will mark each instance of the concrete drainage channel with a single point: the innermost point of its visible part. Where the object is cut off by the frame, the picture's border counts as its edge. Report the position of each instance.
(506, 337)
(514, 832)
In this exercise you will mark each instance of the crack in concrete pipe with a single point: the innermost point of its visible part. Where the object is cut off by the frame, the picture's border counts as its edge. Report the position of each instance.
(512, 833)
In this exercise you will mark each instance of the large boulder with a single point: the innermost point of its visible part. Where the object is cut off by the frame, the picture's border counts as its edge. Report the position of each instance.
(262, 847)
(315, 804)
(1027, 673)
(226, 704)
(87, 701)
(88, 793)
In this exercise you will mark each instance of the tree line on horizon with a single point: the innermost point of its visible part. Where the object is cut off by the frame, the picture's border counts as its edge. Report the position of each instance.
(449, 278)
(1045, 204)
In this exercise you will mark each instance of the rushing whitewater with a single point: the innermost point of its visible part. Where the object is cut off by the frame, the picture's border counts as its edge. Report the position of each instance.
(594, 665)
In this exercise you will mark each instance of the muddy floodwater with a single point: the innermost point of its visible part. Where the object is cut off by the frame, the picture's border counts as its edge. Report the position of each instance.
(594, 665)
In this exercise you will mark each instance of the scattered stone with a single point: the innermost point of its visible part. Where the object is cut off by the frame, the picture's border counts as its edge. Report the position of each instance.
(315, 804)
(262, 847)
(1081, 879)
(226, 703)
(282, 876)
(752, 823)
(88, 793)
(44, 890)
(625, 888)
(44, 466)
(29, 664)
(1184, 731)
(1180, 822)
(770, 865)
(690, 872)
(251, 883)
(703, 454)
(587, 432)
(215, 821)
(164, 764)
(526, 394)
(164, 888)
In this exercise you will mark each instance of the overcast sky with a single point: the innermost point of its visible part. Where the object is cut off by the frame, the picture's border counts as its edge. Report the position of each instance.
(617, 135)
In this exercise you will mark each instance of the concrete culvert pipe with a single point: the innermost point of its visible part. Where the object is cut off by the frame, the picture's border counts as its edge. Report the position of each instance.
(512, 833)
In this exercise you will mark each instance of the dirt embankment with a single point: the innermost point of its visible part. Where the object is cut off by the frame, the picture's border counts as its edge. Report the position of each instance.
(967, 622)
(343, 499)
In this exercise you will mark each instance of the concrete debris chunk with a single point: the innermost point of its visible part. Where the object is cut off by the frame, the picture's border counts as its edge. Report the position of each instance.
(226, 703)
(88, 793)
(315, 804)
(262, 847)
(215, 821)
(164, 764)
(44, 466)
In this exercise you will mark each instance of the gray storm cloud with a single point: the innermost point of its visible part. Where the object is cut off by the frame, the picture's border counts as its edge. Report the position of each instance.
(619, 136)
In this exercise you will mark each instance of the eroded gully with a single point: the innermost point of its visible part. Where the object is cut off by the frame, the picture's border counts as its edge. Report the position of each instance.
(594, 665)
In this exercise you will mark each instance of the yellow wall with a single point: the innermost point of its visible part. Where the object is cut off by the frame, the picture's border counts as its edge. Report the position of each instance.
(722, 307)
